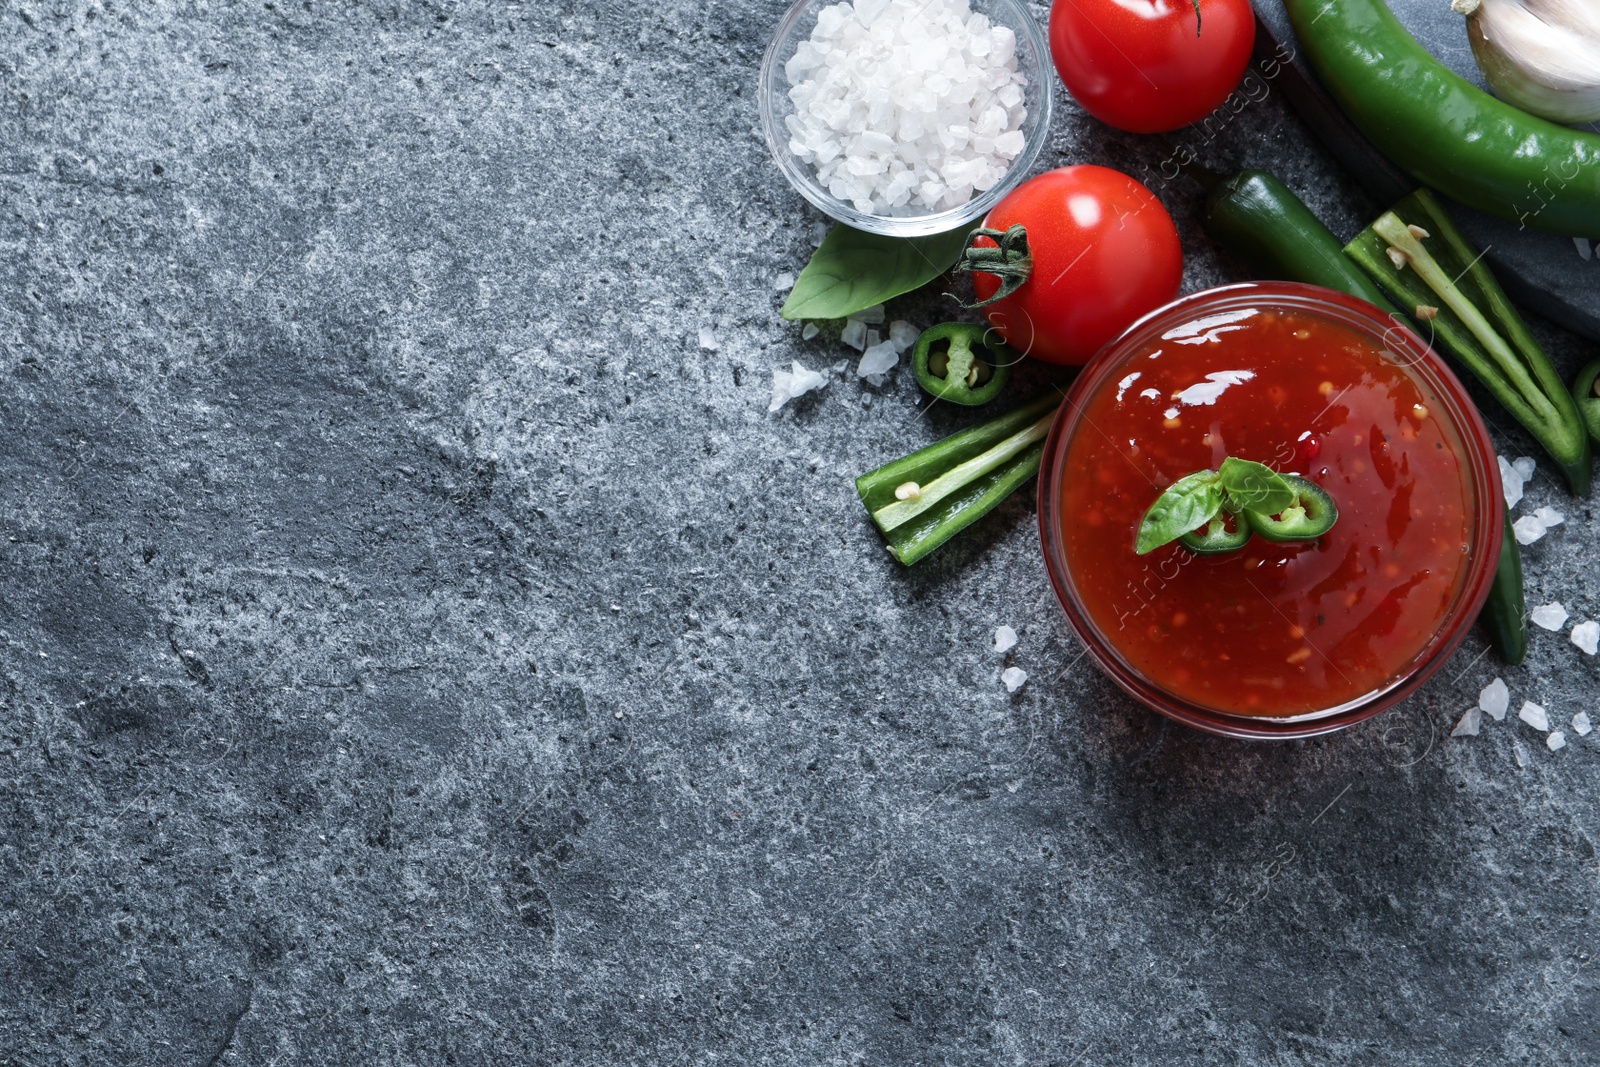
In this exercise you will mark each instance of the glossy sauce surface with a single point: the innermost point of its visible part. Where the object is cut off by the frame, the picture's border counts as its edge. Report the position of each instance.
(1274, 629)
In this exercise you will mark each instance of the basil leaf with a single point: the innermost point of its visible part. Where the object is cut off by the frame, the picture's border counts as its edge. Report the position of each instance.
(1256, 487)
(853, 270)
(1190, 502)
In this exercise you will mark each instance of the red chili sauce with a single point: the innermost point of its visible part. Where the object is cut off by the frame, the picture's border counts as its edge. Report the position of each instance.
(1274, 629)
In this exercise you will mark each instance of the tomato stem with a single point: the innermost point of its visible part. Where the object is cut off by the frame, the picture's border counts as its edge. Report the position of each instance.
(1196, 17)
(1011, 261)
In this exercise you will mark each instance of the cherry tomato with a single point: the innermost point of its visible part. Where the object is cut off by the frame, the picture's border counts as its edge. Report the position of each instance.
(1140, 65)
(1104, 253)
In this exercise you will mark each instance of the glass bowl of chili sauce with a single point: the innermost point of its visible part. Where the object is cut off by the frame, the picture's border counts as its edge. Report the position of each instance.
(1273, 640)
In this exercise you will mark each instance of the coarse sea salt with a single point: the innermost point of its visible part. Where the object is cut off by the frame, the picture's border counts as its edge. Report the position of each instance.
(903, 334)
(1014, 677)
(905, 107)
(878, 360)
(1495, 699)
(1550, 517)
(1556, 741)
(1005, 639)
(1549, 616)
(1525, 466)
(1534, 715)
(783, 282)
(1581, 725)
(811, 330)
(1586, 635)
(1510, 482)
(1527, 529)
(788, 384)
(1468, 726)
(708, 339)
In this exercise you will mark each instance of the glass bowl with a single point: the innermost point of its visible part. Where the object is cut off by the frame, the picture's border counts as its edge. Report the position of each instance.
(1404, 348)
(1033, 52)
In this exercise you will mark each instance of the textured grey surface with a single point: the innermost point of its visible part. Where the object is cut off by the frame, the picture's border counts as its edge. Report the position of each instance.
(419, 650)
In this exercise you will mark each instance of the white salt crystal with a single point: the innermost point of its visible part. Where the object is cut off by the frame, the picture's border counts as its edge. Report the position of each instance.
(1556, 741)
(903, 334)
(1005, 639)
(1520, 752)
(840, 366)
(874, 338)
(878, 359)
(855, 334)
(1527, 529)
(872, 316)
(811, 330)
(1550, 517)
(1581, 725)
(1510, 481)
(788, 384)
(1468, 726)
(1525, 466)
(1586, 635)
(819, 231)
(1550, 616)
(1495, 699)
(1534, 716)
(783, 282)
(1014, 677)
(708, 339)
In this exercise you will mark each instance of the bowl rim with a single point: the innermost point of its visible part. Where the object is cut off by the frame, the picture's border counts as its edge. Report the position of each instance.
(1487, 520)
(804, 181)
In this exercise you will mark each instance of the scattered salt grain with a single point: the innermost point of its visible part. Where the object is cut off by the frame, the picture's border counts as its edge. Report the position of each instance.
(855, 334)
(783, 282)
(788, 384)
(1556, 741)
(840, 366)
(878, 359)
(1520, 752)
(1014, 677)
(810, 331)
(1005, 639)
(1510, 481)
(872, 316)
(1550, 616)
(1468, 726)
(1495, 699)
(1525, 466)
(903, 334)
(1550, 517)
(875, 337)
(1586, 635)
(902, 107)
(708, 339)
(1581, 725)
(1528, 529)
(1534, 716)
(819, 231)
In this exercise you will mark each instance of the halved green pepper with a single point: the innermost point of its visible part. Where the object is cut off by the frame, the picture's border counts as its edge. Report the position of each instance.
(1215, 539)
(1588, 401)
(1311, 515)
(963, 362)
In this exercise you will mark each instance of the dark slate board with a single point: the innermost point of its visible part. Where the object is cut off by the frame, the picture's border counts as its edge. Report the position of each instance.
(1549, 274)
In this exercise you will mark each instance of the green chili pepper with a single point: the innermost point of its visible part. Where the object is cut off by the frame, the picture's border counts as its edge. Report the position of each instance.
(1312, 514)
(1588, 401)
(922, 500)
(963, 363)
(1446, 132)
(1506, 610)
(1415, 252)
(1259, 219)
(1216, 539)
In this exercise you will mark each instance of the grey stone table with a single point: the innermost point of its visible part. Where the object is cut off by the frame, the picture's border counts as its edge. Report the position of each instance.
(420, 649)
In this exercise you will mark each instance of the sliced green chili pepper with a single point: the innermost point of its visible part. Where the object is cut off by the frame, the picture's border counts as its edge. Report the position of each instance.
(1506, 610)
(1311, 515)
(1457, 299)
(1588, 401)
(1445, 131)
(922, 500)
(963, 362)
(1216, 539)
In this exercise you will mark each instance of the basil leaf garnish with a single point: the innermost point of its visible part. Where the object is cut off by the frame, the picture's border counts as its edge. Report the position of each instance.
(1256, 487)
(1191, 501)
(854, 270)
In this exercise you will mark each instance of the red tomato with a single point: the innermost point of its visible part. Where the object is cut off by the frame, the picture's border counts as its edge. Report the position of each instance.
(1104, 253)
(1140, 66)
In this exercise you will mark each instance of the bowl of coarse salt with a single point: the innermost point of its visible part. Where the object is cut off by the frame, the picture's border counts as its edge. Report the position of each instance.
(906, 117)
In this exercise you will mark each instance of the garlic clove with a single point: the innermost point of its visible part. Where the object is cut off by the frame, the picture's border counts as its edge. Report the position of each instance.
(1542, 56)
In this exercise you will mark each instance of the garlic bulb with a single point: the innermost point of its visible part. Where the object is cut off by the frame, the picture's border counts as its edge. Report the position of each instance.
(1540, 55)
